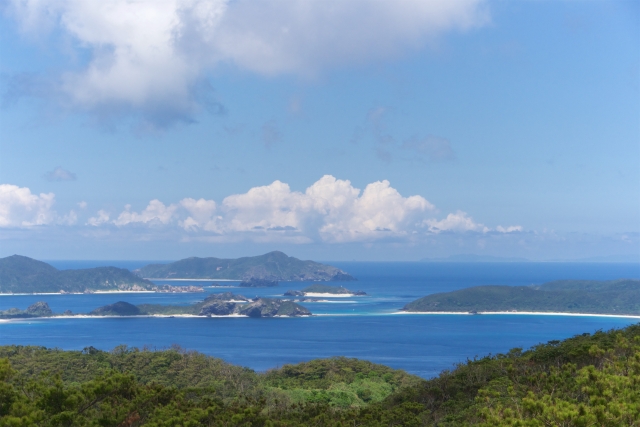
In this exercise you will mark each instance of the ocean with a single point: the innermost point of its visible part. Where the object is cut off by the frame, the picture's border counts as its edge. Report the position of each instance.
(364, 327)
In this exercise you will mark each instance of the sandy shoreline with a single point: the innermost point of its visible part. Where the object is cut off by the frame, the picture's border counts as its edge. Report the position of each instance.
(526, 313)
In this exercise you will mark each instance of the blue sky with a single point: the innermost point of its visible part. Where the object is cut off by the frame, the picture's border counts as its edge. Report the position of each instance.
(331, 130)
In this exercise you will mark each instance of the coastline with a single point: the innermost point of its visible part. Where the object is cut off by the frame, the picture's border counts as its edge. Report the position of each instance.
(192, 280)
(86, 316)
(525, 313)
(327, 295)
(94, 292)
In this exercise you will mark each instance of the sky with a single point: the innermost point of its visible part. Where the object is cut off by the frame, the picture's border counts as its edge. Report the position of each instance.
(330, 130)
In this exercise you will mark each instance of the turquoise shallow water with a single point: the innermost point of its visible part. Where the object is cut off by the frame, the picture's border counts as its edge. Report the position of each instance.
(364, 327)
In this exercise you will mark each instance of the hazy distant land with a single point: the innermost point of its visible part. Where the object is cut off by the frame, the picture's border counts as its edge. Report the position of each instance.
(20, 274)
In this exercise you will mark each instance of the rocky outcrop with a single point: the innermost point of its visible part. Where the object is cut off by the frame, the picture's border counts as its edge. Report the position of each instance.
(39, 309)
(267, 307)
(219, 308)
(260, 307)
(291, 293)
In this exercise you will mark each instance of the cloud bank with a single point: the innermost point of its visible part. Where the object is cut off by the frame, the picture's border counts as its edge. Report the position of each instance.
(329, 211)
(152, 57)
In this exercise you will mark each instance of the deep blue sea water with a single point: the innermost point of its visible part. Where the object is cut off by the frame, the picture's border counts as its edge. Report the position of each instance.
(363, 327)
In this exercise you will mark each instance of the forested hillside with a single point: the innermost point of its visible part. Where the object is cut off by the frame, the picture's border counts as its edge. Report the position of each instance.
(272, 266)
(587, 380)
(567, 296)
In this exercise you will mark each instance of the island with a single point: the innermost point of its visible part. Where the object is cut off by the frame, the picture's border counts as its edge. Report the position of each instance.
(321, 290)
(24, 275)
(257, 283)
(224, 304)
(613, 297)
(273, 266)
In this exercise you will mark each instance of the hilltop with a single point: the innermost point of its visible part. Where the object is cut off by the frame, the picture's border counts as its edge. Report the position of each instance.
(21, 274)
(585, 380)
(274, 266)
(567, 296)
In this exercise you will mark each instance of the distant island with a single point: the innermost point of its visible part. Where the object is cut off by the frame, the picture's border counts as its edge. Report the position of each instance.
(317, 290)
(616, 297)
(24, 275)
(224, 304)
(273, 266)
(257, 283)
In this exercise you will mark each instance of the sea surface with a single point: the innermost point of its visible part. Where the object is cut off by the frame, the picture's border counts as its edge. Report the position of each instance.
(364, 327)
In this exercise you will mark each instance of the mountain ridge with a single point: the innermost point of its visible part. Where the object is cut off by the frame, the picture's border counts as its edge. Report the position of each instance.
(272, 266)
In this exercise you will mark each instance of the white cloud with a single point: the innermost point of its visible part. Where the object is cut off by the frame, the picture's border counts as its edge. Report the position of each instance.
(20, 208)
(459, 222)
(102, 217)
(156, 213)
(151, 56)
(509, 229)
(59, 174)
(201, 214)
(69, 219)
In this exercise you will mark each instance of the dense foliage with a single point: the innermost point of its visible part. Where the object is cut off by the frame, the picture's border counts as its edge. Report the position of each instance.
(568, 296)
(587, 380)
(20, 274)
(273, 266)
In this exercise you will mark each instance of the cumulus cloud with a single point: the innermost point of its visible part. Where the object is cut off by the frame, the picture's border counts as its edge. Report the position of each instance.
(60, 174)
(200, 215)
(458, 221)
(102, 217)
(151, 57)
(330, 210)
(20, 208)
(156, 213)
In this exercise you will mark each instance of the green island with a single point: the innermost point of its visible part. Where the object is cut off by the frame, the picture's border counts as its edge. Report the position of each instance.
(319, 288)
(586, 380)
(615, 297)
(224, 304)
(24, 275)
(274, 266)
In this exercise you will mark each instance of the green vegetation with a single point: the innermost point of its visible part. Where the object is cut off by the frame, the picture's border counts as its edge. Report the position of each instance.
(258, 283)
(587, 380)
(20, 274)
(273, 266)
(119, 308)
(568, 296)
